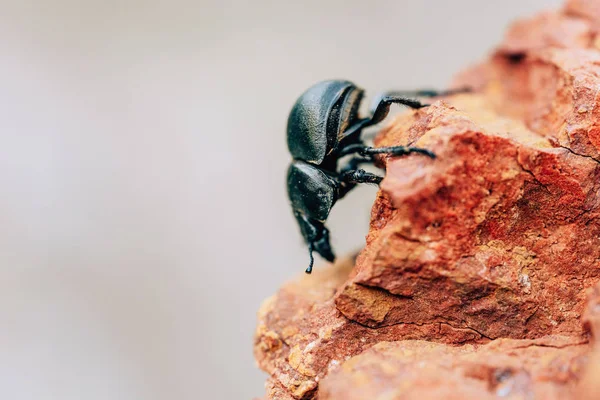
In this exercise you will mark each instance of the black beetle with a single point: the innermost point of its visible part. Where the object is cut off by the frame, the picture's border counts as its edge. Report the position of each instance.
(323, 126)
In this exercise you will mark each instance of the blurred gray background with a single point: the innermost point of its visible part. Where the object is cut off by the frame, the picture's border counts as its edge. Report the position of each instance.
(143, 215)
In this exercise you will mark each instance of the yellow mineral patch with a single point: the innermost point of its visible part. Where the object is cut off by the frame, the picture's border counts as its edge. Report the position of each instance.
(269, 341)
(304, 368)
(303, 388)
(289, 331)
(295, 357)
(377, 303)
(326, 332)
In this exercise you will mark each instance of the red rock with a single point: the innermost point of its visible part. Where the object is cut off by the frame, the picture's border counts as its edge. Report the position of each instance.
(545, 368)
(301, 335)
(589, 387)
(554, 92)
(546, 73)
(549, 29)
(585, 9)
(485, 237)
(276, 391)
(477, 264)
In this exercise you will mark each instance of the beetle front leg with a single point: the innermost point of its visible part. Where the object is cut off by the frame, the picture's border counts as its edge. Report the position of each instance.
(322, 246)
(359, 176)
(316, 236)
(367, 151)
(352, 165)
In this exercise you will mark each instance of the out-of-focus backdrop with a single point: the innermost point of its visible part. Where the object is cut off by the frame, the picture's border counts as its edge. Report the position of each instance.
(143, 215)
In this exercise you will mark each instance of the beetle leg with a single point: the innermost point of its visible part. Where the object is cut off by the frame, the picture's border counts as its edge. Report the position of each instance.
(380, 112)
(312, 259)
(397, 151)
(383, 107)
(352, 165)
(360, 176)
(381, 103)
(351, 134)
(420, 93)
(366, 151)
(316, 236)
(351, 176)
(321, 245)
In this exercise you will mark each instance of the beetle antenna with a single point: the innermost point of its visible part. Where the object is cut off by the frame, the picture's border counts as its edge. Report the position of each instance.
(312, 259)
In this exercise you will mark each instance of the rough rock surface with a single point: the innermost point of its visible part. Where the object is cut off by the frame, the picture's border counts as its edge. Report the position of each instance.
(589, 387)
(301, 335)
(414, 369)
(499, 235)
(476, 279)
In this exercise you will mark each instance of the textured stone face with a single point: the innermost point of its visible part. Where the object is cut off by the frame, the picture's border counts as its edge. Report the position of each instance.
(479, 274)
(424, 370)
(301, 335)
(584, 9)
(554, 92)
(498, 235)
(546, 73)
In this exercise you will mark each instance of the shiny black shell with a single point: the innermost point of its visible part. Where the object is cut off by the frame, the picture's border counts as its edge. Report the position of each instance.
(311, 190)
(319, 117)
